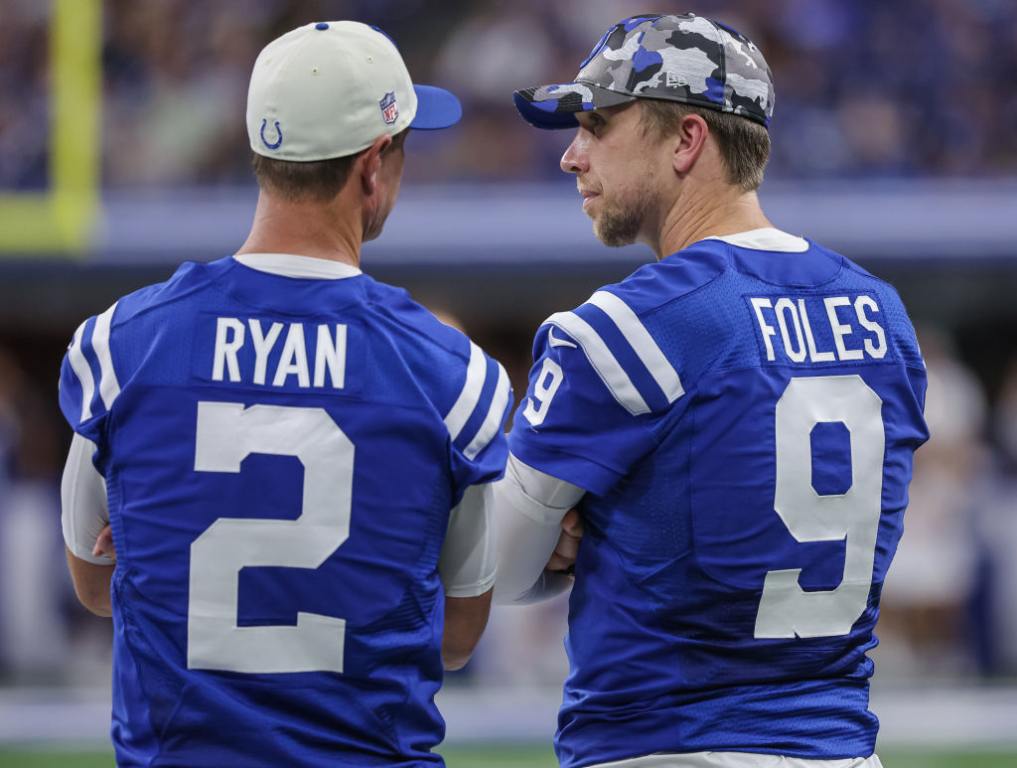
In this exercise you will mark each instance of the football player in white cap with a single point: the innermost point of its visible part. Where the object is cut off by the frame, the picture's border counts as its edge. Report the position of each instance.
(293, 459)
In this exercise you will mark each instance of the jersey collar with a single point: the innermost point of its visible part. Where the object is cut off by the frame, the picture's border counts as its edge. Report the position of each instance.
(766, 239)
(292, 265)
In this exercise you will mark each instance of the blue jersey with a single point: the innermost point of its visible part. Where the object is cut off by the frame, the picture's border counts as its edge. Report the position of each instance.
(281, 456)
(744, 423)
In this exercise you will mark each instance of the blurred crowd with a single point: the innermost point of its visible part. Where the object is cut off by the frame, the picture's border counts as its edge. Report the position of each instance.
(864, 87)
(948, 605)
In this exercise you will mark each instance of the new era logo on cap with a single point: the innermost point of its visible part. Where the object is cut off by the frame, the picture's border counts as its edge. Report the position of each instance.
(389, 108)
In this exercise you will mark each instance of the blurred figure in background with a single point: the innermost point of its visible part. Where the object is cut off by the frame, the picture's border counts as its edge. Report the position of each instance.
(520, 648)
(10, 435)
(998, 528)
(927, 629)
(33, 637)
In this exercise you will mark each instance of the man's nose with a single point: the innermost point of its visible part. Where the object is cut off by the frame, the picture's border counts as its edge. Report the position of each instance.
(575, 160)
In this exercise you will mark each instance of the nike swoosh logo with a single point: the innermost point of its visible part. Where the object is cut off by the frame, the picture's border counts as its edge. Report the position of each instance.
(556, 342)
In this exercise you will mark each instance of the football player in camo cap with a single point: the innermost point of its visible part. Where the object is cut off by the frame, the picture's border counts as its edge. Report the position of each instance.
(718, 447)
(694, 78)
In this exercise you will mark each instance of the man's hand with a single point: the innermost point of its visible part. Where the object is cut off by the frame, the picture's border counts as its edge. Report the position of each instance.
(104, 544)
(563, 559)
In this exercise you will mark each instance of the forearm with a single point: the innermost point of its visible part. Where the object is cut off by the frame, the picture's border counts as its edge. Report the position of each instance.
(91, 584)
(524, 547)
(465, 620)
(528, 510)
(467, 567)
(83, 517)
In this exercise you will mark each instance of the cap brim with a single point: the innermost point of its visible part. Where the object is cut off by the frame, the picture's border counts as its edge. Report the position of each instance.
(555, 106)
(436, 108)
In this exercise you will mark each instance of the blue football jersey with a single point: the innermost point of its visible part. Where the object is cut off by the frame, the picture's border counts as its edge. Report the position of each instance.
(281, 456)
(744, 423)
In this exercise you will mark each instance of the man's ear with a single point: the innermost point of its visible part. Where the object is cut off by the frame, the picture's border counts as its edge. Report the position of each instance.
(689, 143)
(370, 163)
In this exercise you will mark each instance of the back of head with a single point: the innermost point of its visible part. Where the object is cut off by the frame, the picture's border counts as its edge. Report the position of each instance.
(323, 93)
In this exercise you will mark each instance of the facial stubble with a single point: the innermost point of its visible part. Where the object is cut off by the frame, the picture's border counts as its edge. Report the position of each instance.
(621, 222)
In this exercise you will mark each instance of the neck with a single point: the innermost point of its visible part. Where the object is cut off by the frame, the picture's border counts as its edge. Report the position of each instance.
(699, 214)
(331, 231)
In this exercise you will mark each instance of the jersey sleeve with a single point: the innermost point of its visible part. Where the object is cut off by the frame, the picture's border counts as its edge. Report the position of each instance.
(476, 422)
(84, 507)
(529, 507)
(88, 379)
(598, 389)
(468, 560)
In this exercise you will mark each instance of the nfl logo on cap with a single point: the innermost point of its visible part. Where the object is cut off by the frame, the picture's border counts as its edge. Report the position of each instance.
(389, 108)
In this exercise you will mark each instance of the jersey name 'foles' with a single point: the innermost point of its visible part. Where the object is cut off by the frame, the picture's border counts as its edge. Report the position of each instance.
(820, 329)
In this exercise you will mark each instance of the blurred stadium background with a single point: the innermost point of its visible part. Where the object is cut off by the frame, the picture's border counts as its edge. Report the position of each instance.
(123, 152)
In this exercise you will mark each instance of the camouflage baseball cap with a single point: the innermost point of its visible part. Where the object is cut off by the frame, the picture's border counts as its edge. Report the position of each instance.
(684, 58)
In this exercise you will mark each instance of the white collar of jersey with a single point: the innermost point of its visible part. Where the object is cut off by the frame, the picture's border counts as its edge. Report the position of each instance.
(292, 265)
(766, 239)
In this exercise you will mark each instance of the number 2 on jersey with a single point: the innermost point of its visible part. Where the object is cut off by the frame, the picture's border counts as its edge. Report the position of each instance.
(227, 433)
(786, 610)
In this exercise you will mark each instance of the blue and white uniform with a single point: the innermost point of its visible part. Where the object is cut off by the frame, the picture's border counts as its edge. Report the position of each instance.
(739, 421)
(284, 444)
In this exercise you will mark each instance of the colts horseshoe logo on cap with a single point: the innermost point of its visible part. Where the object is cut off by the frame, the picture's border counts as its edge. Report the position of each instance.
(278, 131)
(389, 108)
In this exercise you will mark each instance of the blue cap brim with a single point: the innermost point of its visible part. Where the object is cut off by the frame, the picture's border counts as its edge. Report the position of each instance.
(436, 108)
(555, 106)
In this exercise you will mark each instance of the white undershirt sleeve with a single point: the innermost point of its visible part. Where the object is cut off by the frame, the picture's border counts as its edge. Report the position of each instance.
(528, 509)
(83, 502)
(468, 561)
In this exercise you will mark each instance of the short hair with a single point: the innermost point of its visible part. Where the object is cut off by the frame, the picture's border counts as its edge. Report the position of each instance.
(315, 180)
(744, 144)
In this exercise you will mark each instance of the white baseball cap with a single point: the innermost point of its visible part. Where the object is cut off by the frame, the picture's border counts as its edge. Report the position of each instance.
(330, 89)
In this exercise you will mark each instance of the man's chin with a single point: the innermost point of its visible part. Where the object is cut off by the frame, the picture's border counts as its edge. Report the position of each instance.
(611, 238)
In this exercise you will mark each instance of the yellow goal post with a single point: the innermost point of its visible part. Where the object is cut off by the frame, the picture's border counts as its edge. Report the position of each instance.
(62, 219)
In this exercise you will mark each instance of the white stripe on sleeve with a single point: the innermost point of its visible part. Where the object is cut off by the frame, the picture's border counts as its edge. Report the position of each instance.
(109, 387)
(476, 372)
(603, 362)
(492, 421)
(642, 342)
(84, 373)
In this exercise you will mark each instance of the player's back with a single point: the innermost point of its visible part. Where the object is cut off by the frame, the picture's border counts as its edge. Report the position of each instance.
(747, 498)
(281, 455)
